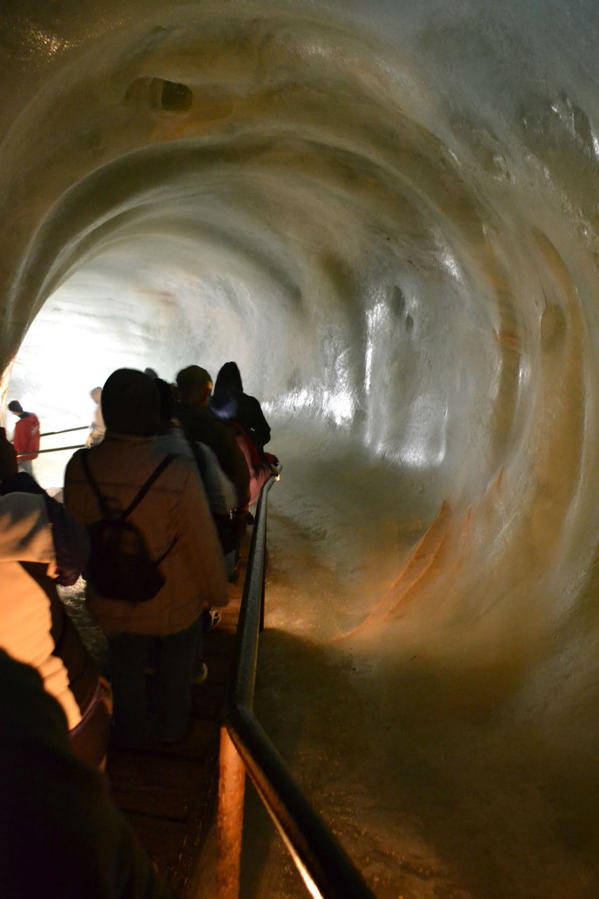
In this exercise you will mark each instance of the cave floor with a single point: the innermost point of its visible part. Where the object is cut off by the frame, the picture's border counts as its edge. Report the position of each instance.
(169, 795)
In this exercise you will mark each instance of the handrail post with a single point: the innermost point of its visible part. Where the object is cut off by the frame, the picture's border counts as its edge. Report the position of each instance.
(229, 823)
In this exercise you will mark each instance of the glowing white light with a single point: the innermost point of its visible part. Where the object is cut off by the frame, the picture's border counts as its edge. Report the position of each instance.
(368, 366)
(450, 265)
(426, 433)
(374, 317)
(293, 401)
(339, 405)
(523, 372)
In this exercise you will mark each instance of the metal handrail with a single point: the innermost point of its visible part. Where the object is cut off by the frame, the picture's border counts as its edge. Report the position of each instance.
(65, 431)
(58, 449)
(52, 449)
(325, 867)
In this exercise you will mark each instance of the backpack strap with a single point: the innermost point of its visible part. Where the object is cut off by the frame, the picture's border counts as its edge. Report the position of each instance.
(104, 507)
(166, 552)
(144, 489)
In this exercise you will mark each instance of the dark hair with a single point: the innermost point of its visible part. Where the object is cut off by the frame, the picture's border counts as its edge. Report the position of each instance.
(15, 406)
(130, 403)
(192, 376)
(229, 378)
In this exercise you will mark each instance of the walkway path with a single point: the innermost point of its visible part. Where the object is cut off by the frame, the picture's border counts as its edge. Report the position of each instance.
(169, 795)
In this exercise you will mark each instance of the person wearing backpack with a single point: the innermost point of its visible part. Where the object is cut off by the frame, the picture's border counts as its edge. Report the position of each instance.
(155, 560)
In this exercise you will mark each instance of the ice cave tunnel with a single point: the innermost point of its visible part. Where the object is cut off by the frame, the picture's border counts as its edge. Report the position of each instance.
(387, 213)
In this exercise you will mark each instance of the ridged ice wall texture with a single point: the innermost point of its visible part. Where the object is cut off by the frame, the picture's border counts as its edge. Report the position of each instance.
(387, 213)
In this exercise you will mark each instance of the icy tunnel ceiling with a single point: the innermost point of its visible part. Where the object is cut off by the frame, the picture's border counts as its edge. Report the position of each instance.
(386, 211)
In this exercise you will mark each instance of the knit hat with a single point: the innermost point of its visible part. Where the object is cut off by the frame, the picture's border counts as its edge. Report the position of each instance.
(130, 403)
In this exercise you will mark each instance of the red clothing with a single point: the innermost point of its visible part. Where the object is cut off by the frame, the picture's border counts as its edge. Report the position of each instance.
(259, 470)
(26, 439)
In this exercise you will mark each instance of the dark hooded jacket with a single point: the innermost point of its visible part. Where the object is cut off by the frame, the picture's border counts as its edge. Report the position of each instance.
(249, 412)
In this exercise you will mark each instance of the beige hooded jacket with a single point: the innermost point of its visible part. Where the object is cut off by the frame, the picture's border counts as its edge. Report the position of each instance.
(175, 506)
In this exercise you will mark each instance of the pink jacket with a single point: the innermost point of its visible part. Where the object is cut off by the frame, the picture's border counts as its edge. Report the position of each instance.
(175, 506)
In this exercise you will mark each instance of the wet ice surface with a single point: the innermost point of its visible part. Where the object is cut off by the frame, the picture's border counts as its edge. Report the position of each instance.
(415, 750)
(340, 527)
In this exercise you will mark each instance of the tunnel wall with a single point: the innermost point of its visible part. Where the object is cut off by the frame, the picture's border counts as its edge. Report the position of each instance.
(394, 207)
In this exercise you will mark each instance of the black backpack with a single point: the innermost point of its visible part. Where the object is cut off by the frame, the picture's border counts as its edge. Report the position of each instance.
(119, 565)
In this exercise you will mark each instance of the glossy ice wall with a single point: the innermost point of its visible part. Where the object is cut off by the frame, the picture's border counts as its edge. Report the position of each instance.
(387, 213)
